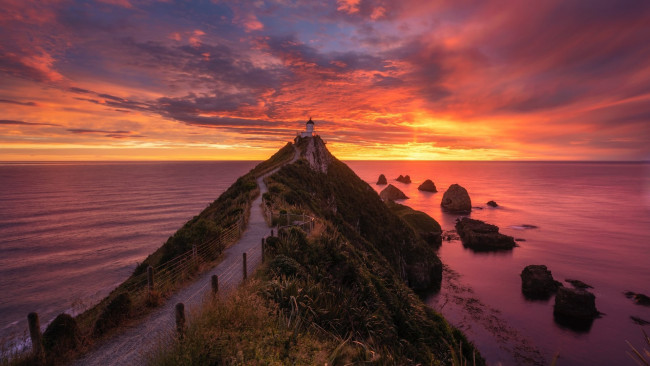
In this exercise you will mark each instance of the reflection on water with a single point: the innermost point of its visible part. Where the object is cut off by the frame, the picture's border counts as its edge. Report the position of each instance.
(71, 232)
(586, 221)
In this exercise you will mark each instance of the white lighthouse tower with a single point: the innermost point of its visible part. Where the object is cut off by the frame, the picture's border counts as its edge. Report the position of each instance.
(309, 130)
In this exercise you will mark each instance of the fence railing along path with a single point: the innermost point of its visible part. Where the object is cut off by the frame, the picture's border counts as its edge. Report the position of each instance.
(133, 345)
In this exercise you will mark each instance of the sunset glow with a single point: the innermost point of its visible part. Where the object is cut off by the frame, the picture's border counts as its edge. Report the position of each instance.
(382, 79)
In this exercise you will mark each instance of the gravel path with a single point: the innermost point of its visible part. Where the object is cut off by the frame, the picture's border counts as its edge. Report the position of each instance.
(131, 346)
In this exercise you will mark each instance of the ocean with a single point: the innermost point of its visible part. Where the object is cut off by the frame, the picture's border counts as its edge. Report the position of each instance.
(70, 232)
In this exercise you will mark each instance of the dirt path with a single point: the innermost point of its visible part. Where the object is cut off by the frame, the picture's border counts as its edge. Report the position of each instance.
(131, 346)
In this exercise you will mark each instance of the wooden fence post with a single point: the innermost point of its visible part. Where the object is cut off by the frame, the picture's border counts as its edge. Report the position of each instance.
(195, 254)
(36, 336)
(244, 266)
(180, 319)
(262, 250)
(215, 284)
(150, 278)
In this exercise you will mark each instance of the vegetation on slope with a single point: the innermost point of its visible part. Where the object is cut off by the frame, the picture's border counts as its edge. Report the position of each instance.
(121, 306)
(338, 295)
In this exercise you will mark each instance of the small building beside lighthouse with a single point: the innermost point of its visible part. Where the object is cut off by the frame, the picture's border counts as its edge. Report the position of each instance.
(309, 129)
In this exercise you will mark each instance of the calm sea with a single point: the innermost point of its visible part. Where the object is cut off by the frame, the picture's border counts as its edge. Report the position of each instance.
(70, 232)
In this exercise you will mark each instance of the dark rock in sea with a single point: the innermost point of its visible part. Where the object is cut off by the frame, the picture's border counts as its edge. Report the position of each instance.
(450, 235)
(520, 239)
(492, 204)
(479, 236)
(382, 180)
(639, 321)
(428, 186)
(61, 335)
(639, 299)
(537, 282)
(527, 226)
(403, 179)
(477, 207)
(578, 284)
(575, 308)
(392, 193)
(456, 200)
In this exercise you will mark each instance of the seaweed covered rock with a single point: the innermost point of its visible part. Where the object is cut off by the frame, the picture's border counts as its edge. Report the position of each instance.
(61, 335)
(639, 299)
(537, 282)
(456, 200)
(428, 186)
(392, 193)
(114, 314)
(403, 179)
(479, 236)
(382, 180)
(575, 307)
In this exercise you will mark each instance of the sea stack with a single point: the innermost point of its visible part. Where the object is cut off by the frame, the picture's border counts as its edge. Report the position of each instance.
(575, 305)
(382, 180)
(404, 179)
(428, 186)
(537, 282)
(456, 200)
(480, 236)
(392, 193)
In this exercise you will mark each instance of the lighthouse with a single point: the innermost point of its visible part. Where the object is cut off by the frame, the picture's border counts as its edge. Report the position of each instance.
(309, 129)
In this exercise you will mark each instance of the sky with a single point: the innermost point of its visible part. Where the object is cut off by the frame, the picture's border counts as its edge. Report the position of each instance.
(382, 79)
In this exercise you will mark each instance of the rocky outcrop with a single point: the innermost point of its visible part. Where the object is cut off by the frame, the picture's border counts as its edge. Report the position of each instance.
(479, 236)
(456, 200)
(403, 179)
(639, 299)
(392, 193)
(575, 305)
(382, 180)
(428, 186)
(578, 284)
(537, 282)
(314, 151)
(492, 204)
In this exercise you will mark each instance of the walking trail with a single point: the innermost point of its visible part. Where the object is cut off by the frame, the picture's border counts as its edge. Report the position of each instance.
(131, 346)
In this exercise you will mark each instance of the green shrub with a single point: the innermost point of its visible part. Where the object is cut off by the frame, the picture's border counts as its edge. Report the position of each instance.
(114, 314)
(61, 335)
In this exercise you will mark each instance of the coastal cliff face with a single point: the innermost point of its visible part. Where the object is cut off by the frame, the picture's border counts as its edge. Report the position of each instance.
(314, 151)
(335, 192)
(354, 275)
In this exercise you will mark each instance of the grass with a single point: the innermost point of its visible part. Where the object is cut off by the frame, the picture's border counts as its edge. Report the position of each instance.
(99, 321)
(246, 329)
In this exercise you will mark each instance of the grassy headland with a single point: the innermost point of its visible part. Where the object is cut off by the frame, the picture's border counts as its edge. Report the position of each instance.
(338, 295)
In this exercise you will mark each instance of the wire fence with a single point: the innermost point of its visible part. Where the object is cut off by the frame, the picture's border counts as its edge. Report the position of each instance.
(165, 276)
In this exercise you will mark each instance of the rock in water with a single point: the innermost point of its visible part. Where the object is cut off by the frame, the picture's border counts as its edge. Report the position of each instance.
(382, 180)
(578, 284)
(492, 204)
(537, 282)
(403, 179)
(480, 236)
(575, 304)
(428, 186)
(639, 299)
(456, 199)
(392, 193)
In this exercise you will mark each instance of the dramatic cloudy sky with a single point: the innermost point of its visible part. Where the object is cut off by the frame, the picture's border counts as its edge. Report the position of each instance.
(382, 79)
